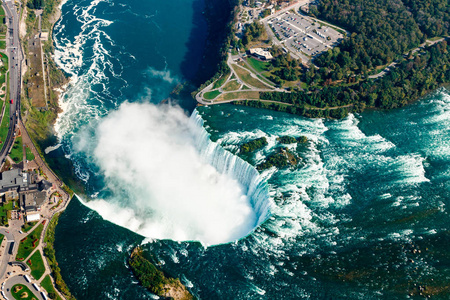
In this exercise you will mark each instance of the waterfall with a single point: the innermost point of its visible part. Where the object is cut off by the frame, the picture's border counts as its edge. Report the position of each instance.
(226, 162)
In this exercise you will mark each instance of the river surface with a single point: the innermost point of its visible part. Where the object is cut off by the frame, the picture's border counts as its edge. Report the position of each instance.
(363, 215)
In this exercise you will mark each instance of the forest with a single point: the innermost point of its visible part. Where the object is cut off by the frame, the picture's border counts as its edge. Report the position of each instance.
(381, 32)
(413, 78)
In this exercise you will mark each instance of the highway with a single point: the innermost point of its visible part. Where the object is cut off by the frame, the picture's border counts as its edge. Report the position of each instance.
(15, 56)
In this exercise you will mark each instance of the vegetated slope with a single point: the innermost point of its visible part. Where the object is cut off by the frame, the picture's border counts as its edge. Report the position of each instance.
(410, 80)
(433, 16)
(155, 280)
(382, 30)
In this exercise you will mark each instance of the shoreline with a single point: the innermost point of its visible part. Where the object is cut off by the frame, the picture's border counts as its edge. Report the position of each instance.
(67, 194)
(333, 100)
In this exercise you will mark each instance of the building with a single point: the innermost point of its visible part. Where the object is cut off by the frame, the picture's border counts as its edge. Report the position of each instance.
(261, 53)
(26, 187)
(32, 201)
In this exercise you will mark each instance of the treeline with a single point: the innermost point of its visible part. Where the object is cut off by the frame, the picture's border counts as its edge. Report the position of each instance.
(35, 4)
(300, 110)
(382, 31)
(252, 32)
(410, 80)
(49, 253)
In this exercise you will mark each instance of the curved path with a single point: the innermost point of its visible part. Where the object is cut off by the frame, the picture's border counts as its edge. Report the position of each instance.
(5, 253)
(19, 279)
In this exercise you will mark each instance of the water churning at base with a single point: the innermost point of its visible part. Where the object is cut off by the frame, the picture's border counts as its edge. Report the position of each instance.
(167, 180)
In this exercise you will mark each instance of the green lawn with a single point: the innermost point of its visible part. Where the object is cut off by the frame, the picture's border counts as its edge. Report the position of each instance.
(211, 95)
(4, 126)
(27, 226)
(2, 11)
(17, 150)
(29, 154)
(220, 81)
(239, 95)
(1, 238)
(26, 245)
(232, 85)
(46, 283)
(21, 292)
(4, 208)
(2, 44)
(36, 265)
(259, 66)
(4, 59)
(245, 76)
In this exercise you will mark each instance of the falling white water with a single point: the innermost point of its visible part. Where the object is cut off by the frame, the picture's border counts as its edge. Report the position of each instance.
(169, 181)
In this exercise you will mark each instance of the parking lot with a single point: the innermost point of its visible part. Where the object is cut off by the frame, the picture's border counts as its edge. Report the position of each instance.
(302, 35)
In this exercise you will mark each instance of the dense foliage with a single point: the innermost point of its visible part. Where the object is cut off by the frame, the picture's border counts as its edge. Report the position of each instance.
(381, 31)
(149, 276)
(410, 80)
(433, 16)
(35, 4)
(281, 159)
(252, 32)
(286, 139)
(155, 280)
(253, 145)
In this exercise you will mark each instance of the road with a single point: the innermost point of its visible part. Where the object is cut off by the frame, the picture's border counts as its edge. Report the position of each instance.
(295, 6)
(16, 280)
(15, 58)
(394, 64)
(6, 256)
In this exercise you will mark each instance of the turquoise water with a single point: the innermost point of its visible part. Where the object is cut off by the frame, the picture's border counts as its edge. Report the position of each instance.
(363, 216)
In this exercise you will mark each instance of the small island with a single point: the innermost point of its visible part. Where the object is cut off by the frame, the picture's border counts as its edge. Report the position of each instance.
(154, 280)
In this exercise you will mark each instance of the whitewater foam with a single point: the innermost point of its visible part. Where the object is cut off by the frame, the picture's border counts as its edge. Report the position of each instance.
(169, 180)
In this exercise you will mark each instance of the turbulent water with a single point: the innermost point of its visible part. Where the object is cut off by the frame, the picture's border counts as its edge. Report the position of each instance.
(362, 216)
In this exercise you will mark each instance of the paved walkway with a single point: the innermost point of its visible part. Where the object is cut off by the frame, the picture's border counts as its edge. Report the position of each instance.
(20, 279)
(394, 64)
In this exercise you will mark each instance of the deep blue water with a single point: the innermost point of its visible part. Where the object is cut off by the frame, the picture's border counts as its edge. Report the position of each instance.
(364, 216)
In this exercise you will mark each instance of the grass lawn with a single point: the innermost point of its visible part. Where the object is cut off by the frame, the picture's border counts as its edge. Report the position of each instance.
(27, 226)
(5, 207)
(211, 95)
(4, 59)
(1, 238)
(46, 283)
(245, 76)
(259, 66)
(220, 81)
(2, 44)
(21, 292)
(239, 95)
(30, 155)
(2, 11)
(4, 212)
(26, 245)
(232, 86)
(4, 126)
(244, 87)
(36, 265)
(17, 150)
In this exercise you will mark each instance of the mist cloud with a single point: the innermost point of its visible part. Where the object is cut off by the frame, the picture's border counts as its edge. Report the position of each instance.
(161, 186)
